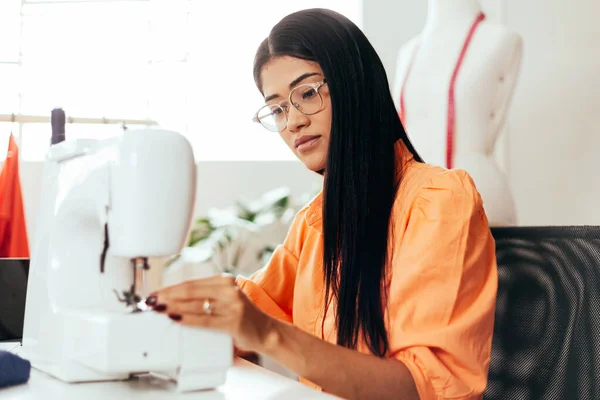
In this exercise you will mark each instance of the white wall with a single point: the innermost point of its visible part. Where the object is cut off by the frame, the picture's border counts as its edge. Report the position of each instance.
(553, 136)
(553, 141)
(220, 183)
(554, 144)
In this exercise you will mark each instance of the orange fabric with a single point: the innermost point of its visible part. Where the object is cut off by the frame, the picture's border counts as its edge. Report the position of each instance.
(442, 280)
(13, 232)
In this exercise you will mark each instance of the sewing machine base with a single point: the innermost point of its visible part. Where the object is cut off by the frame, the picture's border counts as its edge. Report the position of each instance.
(112, 346)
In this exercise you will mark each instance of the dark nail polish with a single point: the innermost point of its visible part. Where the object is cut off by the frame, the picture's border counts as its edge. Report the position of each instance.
(151, 300)
(175, 317)
(160, 308)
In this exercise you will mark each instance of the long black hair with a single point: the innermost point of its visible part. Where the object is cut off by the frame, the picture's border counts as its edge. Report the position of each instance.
(360, 179)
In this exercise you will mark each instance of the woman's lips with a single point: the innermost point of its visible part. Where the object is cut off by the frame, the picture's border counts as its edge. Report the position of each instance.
(306, 142)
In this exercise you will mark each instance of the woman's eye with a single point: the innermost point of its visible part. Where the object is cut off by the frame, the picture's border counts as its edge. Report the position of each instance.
(309, 94)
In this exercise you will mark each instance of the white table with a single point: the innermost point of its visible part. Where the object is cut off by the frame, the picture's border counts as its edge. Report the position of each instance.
(244, 381)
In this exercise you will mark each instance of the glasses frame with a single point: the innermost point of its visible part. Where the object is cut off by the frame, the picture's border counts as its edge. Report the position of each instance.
(314, 85)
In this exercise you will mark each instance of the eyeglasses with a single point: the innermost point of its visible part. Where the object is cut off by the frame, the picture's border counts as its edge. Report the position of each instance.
(305, 98)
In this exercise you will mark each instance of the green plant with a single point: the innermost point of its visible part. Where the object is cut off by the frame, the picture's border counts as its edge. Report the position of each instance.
(241, 238)
(272, 204)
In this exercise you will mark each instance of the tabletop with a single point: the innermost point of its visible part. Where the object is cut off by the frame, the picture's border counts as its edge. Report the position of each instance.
(244, 381)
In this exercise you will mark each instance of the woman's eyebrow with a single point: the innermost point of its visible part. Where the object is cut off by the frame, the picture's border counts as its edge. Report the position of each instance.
(293, 84)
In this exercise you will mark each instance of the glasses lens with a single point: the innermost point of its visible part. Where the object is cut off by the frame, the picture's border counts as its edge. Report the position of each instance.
(272, 117)
(307, 99)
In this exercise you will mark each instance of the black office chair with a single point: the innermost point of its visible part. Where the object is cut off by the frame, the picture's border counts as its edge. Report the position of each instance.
(546, 341)
(14, 273)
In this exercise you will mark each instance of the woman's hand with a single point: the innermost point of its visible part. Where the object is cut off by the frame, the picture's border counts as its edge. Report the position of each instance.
(216, 303)
(307, 355)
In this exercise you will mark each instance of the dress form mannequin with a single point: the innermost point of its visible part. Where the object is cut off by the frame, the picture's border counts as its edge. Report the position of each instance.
(483, 88)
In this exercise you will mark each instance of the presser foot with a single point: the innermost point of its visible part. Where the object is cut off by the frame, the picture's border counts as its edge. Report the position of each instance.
(133, 301)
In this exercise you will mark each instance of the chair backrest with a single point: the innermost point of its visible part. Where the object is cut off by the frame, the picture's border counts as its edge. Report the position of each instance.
(14, 273)
(546, 343)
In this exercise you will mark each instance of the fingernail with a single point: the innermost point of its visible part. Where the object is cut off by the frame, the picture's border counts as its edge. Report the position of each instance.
(160, 307)
(175, 317)
(151, 300)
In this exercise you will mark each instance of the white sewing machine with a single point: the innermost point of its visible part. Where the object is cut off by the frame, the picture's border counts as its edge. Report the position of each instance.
(106, 207)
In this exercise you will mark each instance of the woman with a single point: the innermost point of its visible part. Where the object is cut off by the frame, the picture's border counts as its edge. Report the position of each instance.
(385, 285)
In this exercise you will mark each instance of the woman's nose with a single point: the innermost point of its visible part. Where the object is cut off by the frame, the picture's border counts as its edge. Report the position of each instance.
(296, 120)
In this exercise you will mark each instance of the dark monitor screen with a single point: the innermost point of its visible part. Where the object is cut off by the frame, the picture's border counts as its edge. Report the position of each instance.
(13, 292)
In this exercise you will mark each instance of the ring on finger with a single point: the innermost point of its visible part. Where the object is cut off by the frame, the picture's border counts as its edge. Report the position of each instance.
(207, 307)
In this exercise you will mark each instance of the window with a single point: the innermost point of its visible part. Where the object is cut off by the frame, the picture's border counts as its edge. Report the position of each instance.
(178, 62)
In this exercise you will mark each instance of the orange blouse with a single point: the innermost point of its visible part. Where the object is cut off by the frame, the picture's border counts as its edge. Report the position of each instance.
(442, 280)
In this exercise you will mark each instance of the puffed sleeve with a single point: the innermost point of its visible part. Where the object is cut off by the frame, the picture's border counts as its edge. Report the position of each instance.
(272, 287)
(442, 292)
